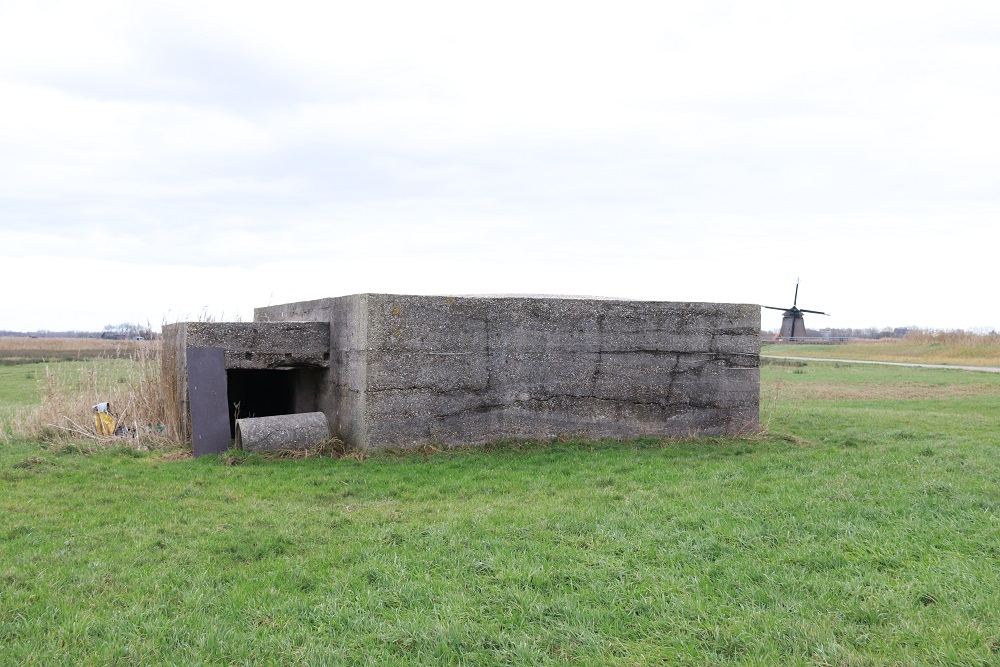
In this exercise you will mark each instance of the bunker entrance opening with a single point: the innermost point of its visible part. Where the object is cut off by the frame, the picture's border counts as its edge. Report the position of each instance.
(268, 393)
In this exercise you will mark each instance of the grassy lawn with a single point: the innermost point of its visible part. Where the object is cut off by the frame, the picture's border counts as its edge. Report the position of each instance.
(18, 385)
(864, 531)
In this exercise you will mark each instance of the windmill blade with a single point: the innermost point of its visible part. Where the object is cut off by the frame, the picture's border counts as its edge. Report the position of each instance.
(795, 301)
(803, 310)
(775, 308)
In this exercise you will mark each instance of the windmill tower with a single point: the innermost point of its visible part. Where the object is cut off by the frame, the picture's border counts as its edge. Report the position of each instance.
(793, 324)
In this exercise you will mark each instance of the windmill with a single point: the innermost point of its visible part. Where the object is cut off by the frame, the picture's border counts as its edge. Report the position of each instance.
(792, 322)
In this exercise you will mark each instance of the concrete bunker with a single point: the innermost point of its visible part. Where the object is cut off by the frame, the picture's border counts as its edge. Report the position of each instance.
(391, 370)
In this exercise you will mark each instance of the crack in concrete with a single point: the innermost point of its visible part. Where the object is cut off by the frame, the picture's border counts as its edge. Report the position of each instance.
(599, 369)
(478, 389)
(489, 358)
(673, 377)
(675, 407)
(660, 404)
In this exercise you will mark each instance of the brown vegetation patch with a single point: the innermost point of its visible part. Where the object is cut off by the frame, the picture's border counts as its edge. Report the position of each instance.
(332, 448)
(957, 348)
(30, 350)
(176, 455)
(835, 391)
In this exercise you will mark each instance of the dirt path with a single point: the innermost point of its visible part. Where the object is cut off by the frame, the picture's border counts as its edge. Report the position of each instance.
(986, 369)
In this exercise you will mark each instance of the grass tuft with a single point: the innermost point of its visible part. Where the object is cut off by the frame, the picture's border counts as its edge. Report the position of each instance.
(332, 448)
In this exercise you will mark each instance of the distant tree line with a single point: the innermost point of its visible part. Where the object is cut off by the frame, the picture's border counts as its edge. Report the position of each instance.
(124, 331)
(45, 333)
(869, 332)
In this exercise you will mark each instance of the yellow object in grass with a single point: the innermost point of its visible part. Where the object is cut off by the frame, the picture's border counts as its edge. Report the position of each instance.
(104, 423)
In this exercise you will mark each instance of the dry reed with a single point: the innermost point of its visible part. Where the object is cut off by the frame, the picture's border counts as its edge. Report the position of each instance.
(954, 337)
(131, 381)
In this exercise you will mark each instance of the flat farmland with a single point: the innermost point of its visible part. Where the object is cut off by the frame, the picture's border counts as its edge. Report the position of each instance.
(21, 350)
(862, 529)
(956, 349)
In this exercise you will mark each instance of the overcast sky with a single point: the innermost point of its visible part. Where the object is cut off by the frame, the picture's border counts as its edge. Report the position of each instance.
(159, 161)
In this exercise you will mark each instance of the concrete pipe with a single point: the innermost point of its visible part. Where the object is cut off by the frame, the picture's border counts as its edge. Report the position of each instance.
(301, 431)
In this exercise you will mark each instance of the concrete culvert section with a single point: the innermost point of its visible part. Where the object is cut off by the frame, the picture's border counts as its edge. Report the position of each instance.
(299, 431)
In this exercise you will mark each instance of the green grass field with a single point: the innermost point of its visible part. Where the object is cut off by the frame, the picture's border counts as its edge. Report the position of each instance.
(19, 385)
(865, 530)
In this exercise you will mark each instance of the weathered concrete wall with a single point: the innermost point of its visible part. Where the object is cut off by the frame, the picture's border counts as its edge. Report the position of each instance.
(264, 344)
(411, 370)
(319, 310)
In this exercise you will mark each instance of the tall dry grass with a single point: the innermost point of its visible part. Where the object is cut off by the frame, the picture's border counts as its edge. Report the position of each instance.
(944, 347)
(131, 381)
(957, 337)
(922, 346)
